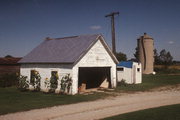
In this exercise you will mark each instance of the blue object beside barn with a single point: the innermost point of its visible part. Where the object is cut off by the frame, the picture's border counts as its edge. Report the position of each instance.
(130, 72)
(127, 64)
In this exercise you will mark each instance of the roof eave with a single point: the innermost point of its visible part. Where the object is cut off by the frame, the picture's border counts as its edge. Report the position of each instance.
(45, 62)
(108, 49)
(84, 53)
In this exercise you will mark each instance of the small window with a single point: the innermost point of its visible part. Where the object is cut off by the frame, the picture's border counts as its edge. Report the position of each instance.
(53, 79)
(53, 73)
(32, 76)
(120, 69)
(138, 69)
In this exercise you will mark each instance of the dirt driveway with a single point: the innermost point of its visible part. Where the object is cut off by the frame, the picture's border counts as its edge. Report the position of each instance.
(101, 108)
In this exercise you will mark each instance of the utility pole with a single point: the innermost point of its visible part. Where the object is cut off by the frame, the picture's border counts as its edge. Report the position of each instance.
(113, 30)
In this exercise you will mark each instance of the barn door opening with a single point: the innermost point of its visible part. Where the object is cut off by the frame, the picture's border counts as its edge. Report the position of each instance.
(94, 77)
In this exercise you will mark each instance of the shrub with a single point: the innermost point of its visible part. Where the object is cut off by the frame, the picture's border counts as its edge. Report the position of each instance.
(122, 83)
(23, 83)
(35, 80)
(54, 81)
(66, 83)
(8, 80)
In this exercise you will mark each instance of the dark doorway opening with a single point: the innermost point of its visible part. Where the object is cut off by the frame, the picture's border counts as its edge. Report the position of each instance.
(93, 77)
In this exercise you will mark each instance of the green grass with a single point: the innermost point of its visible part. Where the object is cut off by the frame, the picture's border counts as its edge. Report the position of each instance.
(151, 81)
(12, 100)
(164, 70)
(161, 113)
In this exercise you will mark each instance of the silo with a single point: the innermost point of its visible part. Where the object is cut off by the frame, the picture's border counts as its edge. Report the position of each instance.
(146, 53)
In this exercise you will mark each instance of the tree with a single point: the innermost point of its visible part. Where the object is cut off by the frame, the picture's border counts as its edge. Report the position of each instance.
(165, 57)
(133, 59)
(121, 56)
(156, 57)
(136, 54)
(8, 56)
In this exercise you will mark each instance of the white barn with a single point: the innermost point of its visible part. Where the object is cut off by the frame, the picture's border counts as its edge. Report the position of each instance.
(87, 58)
(130, 72)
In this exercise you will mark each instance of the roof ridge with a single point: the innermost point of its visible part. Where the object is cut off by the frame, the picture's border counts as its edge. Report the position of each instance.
(65, 37)
(48, 38)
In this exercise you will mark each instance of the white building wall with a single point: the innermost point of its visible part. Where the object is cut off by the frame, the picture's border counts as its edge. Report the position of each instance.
(130, 75)
(45, 71)
(138, 76)
(126, 75)
(97, 56)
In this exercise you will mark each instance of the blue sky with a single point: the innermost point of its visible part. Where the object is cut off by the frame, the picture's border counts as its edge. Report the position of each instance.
(25, 23)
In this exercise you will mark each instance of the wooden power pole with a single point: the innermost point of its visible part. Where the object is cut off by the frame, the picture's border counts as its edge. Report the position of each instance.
(113, 30)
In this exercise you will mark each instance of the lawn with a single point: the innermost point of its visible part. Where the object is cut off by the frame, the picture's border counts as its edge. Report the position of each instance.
(151, 81)
(170, 112)
(12, 100)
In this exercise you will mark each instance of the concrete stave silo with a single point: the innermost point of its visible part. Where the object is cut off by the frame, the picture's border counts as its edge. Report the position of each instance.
(146, 53)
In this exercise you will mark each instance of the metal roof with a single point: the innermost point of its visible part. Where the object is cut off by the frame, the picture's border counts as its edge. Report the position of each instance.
(61, 50)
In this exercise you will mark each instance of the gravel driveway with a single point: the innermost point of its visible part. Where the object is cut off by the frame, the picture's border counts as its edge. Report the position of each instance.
(101, 108)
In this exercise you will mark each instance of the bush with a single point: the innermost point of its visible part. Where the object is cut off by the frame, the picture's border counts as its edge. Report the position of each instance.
(35, 80)
(122, 83)
(54, 81)
(66, 83)
(23, 83)
(8, 80)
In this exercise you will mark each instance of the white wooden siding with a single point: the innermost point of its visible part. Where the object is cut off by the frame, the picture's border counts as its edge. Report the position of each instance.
(131, 75)
(97, 56)
(45, 71)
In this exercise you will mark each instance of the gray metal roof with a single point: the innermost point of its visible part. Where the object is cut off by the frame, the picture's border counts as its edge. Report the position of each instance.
(61, 50)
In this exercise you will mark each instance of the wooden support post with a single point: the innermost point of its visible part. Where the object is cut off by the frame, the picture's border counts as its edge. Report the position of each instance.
(113, 30)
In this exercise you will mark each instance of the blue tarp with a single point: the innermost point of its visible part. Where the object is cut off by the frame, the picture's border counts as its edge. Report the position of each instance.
(127, 64)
